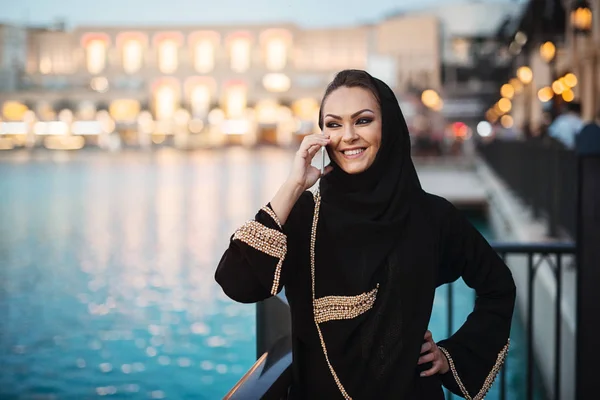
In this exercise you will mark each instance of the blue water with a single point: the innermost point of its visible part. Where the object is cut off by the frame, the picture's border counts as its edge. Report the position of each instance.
(106, 271)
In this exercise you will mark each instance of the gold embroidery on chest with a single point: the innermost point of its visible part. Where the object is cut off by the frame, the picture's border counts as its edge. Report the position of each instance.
(332, 308)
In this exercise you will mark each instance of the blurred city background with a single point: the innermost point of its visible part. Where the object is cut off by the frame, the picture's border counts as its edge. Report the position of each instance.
(135, 137)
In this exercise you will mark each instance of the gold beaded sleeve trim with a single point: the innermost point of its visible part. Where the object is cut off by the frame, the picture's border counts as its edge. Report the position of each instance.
(489, 380)
(265, 240)
(331, 308)
(272, 215)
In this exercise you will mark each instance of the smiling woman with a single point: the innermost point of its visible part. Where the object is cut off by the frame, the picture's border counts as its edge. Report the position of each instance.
(378, 246)
(352, 120)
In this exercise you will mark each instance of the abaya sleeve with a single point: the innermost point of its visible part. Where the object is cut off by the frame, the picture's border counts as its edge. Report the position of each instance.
(476, 352)
(257, 263)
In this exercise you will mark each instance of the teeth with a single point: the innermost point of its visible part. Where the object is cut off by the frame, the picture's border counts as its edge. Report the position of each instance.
(353, 152)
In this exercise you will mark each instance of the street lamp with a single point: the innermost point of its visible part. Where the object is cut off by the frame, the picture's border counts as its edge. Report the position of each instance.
(525, 75)
(507, 90)
(545, 94)
(548, 51)
(430, 98)
(581, 17)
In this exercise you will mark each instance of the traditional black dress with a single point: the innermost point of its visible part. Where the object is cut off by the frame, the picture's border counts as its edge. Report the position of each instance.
(360, 259)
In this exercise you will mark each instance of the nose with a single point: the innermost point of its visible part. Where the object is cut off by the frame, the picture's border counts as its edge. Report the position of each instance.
(349, 134)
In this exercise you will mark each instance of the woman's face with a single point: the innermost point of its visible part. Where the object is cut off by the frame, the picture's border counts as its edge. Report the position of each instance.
(352, 119)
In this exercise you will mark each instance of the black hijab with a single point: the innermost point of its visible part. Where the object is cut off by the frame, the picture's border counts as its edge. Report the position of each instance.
(372, 231)
(367, 211)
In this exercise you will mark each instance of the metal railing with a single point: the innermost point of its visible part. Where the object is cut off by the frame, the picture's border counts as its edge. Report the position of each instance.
(270, 377)
(543, 174)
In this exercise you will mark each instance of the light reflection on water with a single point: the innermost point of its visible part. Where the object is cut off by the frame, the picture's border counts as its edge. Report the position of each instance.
(107, 265)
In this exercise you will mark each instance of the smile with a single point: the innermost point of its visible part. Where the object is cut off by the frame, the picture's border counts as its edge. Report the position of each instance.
(354, 153)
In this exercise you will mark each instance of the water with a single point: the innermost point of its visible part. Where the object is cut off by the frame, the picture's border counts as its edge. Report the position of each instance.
(107, 263)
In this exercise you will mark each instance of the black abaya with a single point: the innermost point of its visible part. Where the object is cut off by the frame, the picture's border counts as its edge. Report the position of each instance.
(360, 260)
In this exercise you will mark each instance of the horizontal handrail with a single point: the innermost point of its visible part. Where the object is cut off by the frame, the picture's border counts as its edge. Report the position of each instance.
(269, 378)
(534, 248)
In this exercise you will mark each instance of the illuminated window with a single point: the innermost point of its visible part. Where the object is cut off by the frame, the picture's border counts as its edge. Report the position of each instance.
(240, 54)
(276, 54)
(165, 102)
(461, 48)
(124, 109)
(167, 56)
(45, 65)
(14, 110)
(200, 101)
(235, 98)
(276, 82)
(133, 53)
(96, 56)
(204, 56)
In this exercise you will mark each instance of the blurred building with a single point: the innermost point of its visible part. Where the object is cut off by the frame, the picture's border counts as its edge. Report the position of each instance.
(130, 71)
(13, 52)
(164, 68)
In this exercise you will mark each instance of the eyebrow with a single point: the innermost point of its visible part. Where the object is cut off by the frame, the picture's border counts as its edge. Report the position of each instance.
(352, 116)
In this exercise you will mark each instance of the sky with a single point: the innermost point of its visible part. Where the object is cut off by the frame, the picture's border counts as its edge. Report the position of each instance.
(309, 13)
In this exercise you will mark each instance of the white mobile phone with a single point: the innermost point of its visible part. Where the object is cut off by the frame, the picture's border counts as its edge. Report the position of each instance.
(322, 160)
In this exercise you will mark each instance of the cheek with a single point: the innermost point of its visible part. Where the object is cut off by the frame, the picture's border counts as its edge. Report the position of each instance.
(335, 139)
(374, 137)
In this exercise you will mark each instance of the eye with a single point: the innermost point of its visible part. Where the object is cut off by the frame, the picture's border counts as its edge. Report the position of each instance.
(364, 120)
(332, 124)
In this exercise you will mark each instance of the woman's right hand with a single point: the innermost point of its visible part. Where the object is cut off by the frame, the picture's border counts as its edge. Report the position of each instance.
(303, 174)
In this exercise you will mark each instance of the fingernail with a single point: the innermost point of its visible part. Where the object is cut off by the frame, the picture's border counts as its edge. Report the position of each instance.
(422, 374)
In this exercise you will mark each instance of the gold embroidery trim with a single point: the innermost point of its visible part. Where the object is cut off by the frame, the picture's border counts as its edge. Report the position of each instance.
(489, 380)
(265, 240)
(272, 215)
(331, 308)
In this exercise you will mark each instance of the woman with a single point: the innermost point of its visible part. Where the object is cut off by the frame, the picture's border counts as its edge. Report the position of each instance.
(361, 258)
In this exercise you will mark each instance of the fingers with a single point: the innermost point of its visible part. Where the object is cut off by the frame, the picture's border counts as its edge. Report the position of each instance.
(430, 353)
(308, 151)
(429, 357)
(311, 140)
(313, 150)
(432, 371)
(425, 347)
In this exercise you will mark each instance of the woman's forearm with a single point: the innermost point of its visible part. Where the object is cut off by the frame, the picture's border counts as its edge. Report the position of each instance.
(284, 200)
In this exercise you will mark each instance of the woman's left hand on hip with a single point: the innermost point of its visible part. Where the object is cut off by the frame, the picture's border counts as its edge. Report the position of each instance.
(430, 352)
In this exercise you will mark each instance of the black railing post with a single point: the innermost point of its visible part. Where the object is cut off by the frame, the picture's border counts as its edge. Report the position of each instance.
(588, 264)
(530, 297)
(554, 191)
(450, 304)
(273, 321)
(557, 327)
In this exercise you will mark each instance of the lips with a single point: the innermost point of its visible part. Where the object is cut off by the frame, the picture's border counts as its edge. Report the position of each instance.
(354, 152)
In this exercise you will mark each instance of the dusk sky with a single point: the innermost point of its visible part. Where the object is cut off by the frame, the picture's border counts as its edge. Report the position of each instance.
(144, 12)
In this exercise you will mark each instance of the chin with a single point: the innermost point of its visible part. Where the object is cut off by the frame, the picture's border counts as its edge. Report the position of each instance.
(353, 168)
